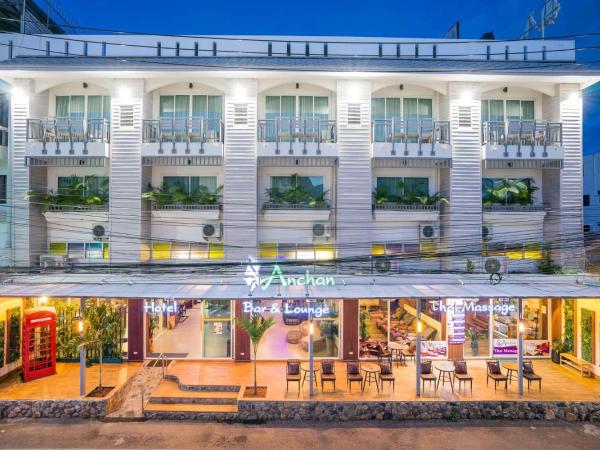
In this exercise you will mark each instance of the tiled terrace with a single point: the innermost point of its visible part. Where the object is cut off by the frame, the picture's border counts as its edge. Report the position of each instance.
(559, 383)
(65, 384)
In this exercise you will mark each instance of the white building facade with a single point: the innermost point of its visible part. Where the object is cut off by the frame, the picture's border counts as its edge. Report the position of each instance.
(180, 158)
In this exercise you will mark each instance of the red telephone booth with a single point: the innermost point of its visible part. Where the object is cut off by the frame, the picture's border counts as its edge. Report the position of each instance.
(39, 344)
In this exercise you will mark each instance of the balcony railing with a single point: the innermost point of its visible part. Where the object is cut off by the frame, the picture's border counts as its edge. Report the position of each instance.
(297, 130)
(187, 130)
(271, 206)
(58, 130)
(411, 131)
(77, 208)
(185, 207)
(402, 207)
(514, 208)
(523, 134)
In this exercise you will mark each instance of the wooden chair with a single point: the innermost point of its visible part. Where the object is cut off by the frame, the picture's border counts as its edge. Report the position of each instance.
(427, 374)
(292, 374)
(383, 355)
(353, 374)
(410, 352)
(461, 374)
(495, 373)
(530, 375)
(328, 372)
(386, 374)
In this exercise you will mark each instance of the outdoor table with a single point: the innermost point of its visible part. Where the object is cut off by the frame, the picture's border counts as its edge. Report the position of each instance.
(511, 368)
(371, 371)
(305, 367)
(396, 349)
(445, 369)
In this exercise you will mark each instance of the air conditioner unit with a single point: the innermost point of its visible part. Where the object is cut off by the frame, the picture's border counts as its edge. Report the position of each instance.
(429, 231)
(52, 261)
(495, 264)
(382, 264)
(487, 232)
(100, 231)
(321, 230)
(212, 230)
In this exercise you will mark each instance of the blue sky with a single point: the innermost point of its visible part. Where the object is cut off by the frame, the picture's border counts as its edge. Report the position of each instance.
(351, 18)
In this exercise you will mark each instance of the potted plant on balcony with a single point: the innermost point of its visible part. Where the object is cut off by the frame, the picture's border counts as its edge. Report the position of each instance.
(558, 347)
(434, 199)
(77, 193)
(510, 191)
(295, 195)
(256, 327)
(176, 195)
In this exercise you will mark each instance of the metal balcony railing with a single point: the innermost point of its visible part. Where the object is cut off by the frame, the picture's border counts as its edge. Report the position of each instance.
(513, 207)
(185, 207)
(523, 134)
(187, 130)
(77, 208)
(405, 207)
(62, 129)
(271, 206)
(411, 131)
(289, 131)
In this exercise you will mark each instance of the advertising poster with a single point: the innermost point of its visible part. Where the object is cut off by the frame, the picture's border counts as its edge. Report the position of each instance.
(536, 348)
(434, 349)
(505, 347)
(455, 320)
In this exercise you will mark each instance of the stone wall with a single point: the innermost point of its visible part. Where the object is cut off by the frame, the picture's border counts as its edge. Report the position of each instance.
(52, 409)
(397, 411)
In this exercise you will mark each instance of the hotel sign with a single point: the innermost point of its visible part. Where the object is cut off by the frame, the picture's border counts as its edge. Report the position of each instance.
(253, 278)
(168, 306)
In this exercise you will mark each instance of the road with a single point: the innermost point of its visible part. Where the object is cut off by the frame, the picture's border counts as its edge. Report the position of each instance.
(301, 435)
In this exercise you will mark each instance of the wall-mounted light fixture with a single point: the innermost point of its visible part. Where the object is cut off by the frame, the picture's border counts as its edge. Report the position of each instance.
(191, 85)
(297, 85)
(401, 87)
(85, 85)
(505, 89)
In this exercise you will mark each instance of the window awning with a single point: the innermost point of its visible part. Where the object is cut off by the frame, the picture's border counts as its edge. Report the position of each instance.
(345, 287)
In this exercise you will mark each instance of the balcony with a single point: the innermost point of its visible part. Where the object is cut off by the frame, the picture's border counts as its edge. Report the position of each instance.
(299, 137)
(396, 212)
(300, 212)
(183, 137)
(411, 138)
(60, 137)
(522, 140)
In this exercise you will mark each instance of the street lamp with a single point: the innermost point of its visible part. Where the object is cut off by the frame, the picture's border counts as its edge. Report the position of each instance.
(78, 321)
(521, 330)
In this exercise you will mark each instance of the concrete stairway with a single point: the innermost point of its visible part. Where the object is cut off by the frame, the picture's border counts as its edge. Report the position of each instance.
(172, 400)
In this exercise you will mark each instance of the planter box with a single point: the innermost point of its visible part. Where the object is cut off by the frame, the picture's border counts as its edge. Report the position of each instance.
(297, 214)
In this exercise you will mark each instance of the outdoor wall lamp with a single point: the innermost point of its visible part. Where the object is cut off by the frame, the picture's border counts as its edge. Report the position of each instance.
(43, 300)
(505, 89)
(419, 327)
(85, 85)
(521, 327)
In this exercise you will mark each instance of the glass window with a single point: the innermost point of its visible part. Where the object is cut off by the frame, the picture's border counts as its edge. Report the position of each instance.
(288, 337)
(58, 248)
(217, 328)
(94, 250)
(267, 250)
(76, 250)
(324, 252)
(286, 252)
(216, 250)
(167, 106)
(425, 108)
(505, 327)
(416, 186)
(393, 186)
(513, 110)
(208, 184)
(62, 106)
(280, 107)
(373, 326)
(180, 250)
(176, 183)
(199, 251)
(492, 110)
(527, 111)
(161, 250)
(98, 107)
(410, 106)
(314, 185)
(477, 331)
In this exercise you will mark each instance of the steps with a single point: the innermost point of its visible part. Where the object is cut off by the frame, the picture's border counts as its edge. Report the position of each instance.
(172, 400)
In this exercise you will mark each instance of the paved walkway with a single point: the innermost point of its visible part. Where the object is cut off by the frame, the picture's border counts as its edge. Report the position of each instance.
(132, 406)
(301, 435)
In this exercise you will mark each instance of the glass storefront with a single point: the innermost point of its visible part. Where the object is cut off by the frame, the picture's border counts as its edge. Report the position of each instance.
(217, 329)
(477, 331)
(289, 336)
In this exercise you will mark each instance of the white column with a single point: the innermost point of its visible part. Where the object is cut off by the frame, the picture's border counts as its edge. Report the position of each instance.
(22, 90)
(125, 205)
(461, 227)
(240, 164)
(353, 213)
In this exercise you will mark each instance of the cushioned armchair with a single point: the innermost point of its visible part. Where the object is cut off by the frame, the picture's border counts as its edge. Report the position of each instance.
(494, 372)
(328, 372)
(530, 375)
(386, 374)
(292, 374)
(353, 374)
(462, 374)
(427, 374)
